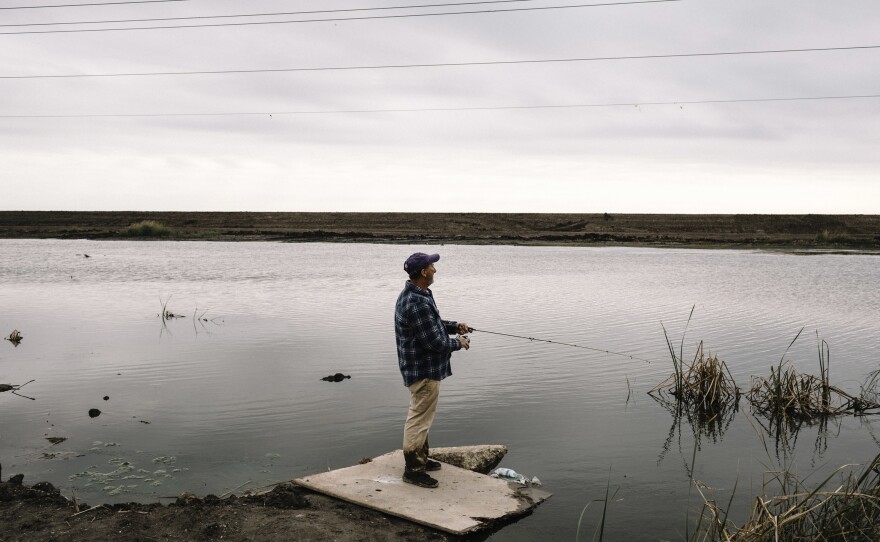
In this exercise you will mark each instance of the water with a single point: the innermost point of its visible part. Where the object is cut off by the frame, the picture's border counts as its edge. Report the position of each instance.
(236, 401)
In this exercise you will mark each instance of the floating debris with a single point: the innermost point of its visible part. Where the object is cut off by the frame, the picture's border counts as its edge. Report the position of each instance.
(124, 477)
(14, 389)
(94, 413)
(56, 440)
(58, 455)
(106, 397)
(338, 377)
(14, 337)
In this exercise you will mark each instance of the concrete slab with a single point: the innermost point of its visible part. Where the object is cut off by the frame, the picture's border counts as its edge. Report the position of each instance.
(465, 502)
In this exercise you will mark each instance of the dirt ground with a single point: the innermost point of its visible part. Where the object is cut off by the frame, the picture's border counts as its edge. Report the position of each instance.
(288, 512)
(851, 232)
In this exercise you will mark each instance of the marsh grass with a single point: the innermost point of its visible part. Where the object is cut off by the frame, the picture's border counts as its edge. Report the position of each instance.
(705, 385)
(147, 228)
(845, 507)
(788, 397)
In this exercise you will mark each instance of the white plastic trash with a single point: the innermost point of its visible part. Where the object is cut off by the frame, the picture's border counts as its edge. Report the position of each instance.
(513, 476)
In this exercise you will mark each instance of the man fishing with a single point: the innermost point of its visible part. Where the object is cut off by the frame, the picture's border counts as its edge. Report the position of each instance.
(424, 349)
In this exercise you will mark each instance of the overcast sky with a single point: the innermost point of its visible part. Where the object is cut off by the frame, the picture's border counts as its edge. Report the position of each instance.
(818, 156)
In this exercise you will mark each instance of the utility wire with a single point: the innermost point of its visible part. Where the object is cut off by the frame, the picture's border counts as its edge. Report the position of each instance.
(442, 109)
(94, 4)
(449, 64)
(630, 356)
(277, 14)
(339, 19)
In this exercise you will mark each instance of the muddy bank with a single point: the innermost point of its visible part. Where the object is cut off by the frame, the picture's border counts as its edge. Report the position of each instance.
(846, 232)
(288, 512)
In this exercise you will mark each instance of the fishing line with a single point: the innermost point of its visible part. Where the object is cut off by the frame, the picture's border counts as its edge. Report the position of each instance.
(630, 356)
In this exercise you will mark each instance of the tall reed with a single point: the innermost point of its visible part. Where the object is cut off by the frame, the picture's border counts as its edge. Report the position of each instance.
(848, 511)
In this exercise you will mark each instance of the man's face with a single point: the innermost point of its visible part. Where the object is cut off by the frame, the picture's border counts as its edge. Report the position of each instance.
(428, 273)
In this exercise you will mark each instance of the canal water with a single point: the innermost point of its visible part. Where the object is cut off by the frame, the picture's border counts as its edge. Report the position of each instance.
(229, 395)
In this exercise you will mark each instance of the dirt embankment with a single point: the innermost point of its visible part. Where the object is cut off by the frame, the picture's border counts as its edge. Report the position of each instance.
(288, 512)
(785, 231)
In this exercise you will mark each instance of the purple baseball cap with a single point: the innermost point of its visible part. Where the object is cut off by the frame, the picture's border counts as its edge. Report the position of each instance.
(419, 261)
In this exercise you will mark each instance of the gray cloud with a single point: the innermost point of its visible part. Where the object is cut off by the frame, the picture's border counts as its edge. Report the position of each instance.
(763, 157)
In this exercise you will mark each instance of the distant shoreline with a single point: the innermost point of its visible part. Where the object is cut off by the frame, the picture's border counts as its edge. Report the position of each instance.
(824, 232)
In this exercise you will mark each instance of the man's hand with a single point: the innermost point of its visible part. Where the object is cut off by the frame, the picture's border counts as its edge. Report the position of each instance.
(464, 342)
(464, 328)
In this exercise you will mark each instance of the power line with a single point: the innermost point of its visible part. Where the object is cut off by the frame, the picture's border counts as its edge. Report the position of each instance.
(94, 4)
(446, 109)
(340, 19)
(450, 64)
(277, 14)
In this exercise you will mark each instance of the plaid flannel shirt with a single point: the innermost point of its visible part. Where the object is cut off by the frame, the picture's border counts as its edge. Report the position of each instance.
(424, 345)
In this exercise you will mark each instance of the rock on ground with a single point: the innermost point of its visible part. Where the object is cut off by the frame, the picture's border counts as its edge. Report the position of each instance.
(480, 459)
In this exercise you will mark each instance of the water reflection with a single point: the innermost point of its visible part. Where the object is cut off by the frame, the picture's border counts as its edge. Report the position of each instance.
(710, 422)
(784, 431)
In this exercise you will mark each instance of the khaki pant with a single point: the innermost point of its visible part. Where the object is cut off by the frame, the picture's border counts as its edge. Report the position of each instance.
(422, 407)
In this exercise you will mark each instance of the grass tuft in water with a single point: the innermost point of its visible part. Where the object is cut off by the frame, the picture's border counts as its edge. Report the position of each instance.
(705, 385)
(789, 397)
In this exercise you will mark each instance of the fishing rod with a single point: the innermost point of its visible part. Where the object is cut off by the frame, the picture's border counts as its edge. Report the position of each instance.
(623, 354)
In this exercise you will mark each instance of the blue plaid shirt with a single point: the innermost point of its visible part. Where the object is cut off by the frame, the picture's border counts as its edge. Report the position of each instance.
(423, 342)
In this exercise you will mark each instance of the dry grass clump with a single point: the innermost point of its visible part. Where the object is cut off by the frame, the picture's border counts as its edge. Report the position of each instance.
(147, 228)
(849, 512)
(788, 395)
(14, 337)
(791, 394)
(705, 384)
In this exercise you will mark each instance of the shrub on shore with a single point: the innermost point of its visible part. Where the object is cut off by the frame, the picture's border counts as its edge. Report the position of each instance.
(147, 228)
(826, 236)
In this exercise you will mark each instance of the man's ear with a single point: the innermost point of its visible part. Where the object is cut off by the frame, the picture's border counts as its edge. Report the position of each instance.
(424, 272)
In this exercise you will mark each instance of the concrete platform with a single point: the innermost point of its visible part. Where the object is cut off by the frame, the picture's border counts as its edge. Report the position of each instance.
(465, 502)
